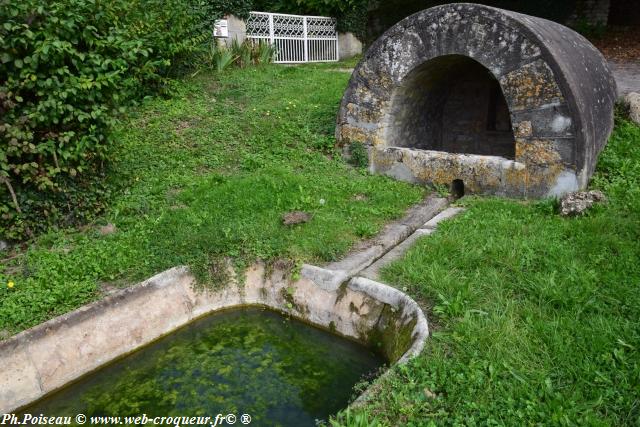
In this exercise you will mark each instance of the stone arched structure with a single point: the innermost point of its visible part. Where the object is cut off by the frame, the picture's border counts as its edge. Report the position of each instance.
(510, 104)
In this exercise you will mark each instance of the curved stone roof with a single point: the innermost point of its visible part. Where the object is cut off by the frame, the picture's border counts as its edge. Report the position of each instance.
(558, 87)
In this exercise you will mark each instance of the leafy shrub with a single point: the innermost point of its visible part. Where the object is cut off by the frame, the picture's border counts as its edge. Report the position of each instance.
(264, 52)
(354, 19)
(240, 8)
(66, 71)
(358, 155)
(242, 52)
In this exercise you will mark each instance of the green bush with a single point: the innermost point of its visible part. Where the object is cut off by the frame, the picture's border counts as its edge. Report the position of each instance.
(66, 70)
(358, 155)
(240, 8)
(354, 19)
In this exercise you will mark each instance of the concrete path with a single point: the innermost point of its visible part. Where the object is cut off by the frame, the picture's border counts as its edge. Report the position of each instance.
(391, 236)
(367, 259)
(373, 271)
(627, 75)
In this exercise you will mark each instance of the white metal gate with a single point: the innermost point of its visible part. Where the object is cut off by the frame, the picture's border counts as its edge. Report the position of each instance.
(297, 38)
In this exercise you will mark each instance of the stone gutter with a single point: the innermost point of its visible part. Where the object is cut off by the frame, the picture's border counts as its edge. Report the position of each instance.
(45, 358)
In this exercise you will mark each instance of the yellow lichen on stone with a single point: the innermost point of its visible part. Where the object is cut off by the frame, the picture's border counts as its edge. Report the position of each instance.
(353, 134)
(531, 86)
(523, 129)
(364, 114)
(537, 152)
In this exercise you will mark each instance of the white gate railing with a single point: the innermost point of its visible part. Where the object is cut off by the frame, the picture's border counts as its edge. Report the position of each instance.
(296, 38)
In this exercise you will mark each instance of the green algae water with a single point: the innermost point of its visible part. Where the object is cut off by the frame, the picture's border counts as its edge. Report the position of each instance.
(281, 372)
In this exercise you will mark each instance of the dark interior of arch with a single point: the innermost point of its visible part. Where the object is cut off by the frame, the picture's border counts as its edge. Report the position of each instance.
(451, 103)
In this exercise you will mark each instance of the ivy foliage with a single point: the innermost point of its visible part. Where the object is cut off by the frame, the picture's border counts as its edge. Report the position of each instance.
(239, 8)
(67, 69)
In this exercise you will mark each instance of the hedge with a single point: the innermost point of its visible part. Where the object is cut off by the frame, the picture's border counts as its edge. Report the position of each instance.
(67, 69)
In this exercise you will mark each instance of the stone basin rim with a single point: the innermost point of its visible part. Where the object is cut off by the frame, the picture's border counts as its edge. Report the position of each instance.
(58, 352)
(279, 312)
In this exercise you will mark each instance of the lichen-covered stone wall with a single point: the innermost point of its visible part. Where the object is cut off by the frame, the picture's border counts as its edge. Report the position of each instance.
(557, 87)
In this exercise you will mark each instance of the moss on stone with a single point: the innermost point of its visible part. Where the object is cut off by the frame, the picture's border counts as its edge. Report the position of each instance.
(342, 291)
(392, 334)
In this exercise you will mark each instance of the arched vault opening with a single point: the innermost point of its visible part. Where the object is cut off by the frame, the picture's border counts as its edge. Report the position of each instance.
(454, 104)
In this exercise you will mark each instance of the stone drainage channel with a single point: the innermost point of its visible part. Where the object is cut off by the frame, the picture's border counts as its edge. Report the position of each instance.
(343, 297)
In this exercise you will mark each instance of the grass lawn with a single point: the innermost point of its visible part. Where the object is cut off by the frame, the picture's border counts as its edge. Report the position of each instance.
(535, 318)
(206, 175)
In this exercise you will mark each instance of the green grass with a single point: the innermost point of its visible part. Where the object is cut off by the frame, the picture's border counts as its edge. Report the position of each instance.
(207, 175)
(535, 318)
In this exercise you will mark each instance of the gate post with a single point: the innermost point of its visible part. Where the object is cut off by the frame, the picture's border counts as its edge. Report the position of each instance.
(271, 32)
(306, 40)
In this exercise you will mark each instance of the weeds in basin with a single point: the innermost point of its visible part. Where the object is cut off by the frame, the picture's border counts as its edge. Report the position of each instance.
(538, 315)
(281, 372)
(297, 270)
(207, 175)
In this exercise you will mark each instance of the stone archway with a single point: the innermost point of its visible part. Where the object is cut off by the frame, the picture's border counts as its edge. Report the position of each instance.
(508, 103)
(452, 104)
